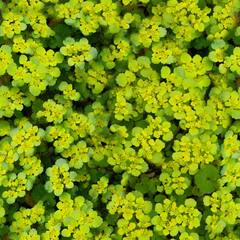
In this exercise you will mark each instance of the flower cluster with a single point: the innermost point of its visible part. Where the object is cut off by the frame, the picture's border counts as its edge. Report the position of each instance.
(151, 96)
(166, 51)
(120, 50)
(191, 151)
(172, 219)
(2, 211)
(53, 112)
(173, 181)
(231, 62)
(26, 138)
(12, 24)
(78, 154)
(16, 186)
(32, 166)
(185, 19)
(37, 71)
(218, 54)
(12, 99)
(142, 138)
(159, 128)
(126, 160)
(28, 46)
(99, 188)
(8, 156)
(69, 92)
(97, 78)
(224, 211)
(123, 109)
(80, 124)
(78, 52)
(196, 66)
(230, 145)
(131, 206)
(29, 217)
(222, 20)
(60, 177)
(77, 217)
(7, 63)
(60, 137)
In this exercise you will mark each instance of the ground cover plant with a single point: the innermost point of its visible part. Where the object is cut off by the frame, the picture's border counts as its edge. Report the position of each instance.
(119, 119)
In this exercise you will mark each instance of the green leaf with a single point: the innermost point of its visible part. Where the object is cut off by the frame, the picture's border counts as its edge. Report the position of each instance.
(79, 65)
(146, 72)
(93, 52)
(236, 51)
(218, 43)
(97, 222)
(157, 158)
(1, 31)
(147, 207)
(206, 179)
(48, 186)
(222, 68)
(135, 39)
(127, 215)
(168, 136)
(66, 233)
(2, 71)
(22, 59)
(58, 57)
(63, 50)
(128, 17)
(69, 41)
(55, 72)
(159, 208)
(58, 192)
(206, 200)
(110, 65)
(4, 127)
(40, 50)
(165, 71)
(60, 162)
(34, 90)
(126, 2)
(12, 69)
(193, 131)
(174, 231)
(235, 114)
(207, 64)
(190, 202)
(3, 102)
(63, 85)
(237, 31)
(6, 48)
(162, 32)
(188, 83)
(93, 193)
(121, 80)
(70, 21)
(185, 58)
(213, 56)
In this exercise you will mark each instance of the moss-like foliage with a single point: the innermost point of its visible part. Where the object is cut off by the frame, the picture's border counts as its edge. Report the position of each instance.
(119, 119)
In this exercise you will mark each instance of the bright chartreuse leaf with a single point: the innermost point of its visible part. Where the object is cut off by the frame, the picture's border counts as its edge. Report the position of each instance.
(34, 90)
(121, 80)
(235, 114)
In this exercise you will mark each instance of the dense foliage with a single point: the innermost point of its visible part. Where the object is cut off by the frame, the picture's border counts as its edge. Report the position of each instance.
(119, 119)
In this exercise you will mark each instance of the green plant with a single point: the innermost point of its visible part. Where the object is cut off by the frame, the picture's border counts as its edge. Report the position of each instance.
(119, 119)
